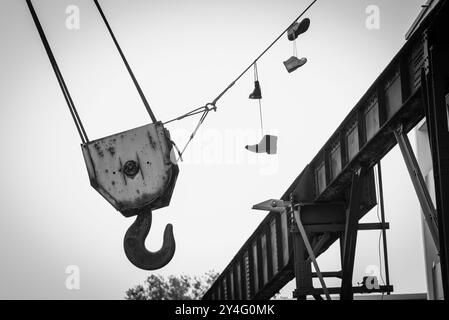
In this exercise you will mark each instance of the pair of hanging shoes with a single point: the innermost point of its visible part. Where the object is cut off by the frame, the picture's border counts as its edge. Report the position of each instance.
(298, 28)
(294, 63)
(295, 30)
(267, 145)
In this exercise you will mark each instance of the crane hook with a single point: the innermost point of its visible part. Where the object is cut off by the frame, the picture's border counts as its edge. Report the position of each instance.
(134, 244)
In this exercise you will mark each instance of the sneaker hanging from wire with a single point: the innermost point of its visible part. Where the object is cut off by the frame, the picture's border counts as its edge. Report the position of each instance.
(298, 28)
(293, 62)
(257, 92)
(268, 145)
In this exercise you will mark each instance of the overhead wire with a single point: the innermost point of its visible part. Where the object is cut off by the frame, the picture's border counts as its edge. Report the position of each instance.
(214, 102)
(261, 117)
(65, 91)
(256, 78)
(200, 122)
(263, 52)
(295, 49)
(204, 111)
(125, 61)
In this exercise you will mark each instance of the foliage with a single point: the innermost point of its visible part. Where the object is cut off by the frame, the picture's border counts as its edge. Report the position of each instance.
(183, 287)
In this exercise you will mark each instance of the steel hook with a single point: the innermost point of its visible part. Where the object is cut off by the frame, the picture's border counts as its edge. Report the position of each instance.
(134, 244)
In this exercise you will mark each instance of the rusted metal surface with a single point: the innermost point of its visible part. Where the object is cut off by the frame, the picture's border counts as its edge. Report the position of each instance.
(133, 170)
(134, 244)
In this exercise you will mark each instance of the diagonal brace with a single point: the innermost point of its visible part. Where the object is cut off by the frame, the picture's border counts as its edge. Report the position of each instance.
(421, 189)
(303, 233)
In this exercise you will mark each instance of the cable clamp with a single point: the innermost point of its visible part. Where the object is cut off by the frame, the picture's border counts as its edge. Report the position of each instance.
(213, 107)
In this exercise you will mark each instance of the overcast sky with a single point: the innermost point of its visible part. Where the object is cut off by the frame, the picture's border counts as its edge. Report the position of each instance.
(183, 53)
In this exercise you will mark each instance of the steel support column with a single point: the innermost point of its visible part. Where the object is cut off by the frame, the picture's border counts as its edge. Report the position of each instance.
(437, 119)
(302, 266)
(350, 238)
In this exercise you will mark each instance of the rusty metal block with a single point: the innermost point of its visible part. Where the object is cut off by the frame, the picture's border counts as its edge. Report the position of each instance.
(133, 170)
(393, 93)
(320, 174)
(352, 141)
(372, 119)
(335, 159)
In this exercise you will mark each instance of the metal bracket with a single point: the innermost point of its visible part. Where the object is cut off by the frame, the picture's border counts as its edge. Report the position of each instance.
(421, 189)
(273, 205)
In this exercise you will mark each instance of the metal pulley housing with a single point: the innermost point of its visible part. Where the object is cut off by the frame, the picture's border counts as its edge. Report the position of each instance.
(133, 170)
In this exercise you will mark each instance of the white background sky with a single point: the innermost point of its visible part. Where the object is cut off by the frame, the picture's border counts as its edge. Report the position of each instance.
(183, 53)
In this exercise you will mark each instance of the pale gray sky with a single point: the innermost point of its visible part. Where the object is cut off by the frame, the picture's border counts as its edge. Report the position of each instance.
(183, 53)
